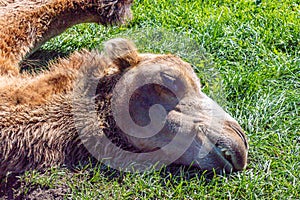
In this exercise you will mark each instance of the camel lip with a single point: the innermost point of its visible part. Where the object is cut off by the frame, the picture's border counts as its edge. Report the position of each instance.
(226, 157)
(222, 153)
(226, 160)
(219, 154)
(224, 164)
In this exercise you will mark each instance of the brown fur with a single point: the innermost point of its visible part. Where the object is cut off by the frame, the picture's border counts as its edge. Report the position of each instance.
(45, 119)
(35, 89)
(25, 25)
(34, 22)
(44, 135)
(29, 122)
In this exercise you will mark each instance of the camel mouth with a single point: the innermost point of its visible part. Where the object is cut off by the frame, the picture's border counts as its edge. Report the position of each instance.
(221, 147)
(221, 159)
(231, 159)
(227, 157)
(225, 154)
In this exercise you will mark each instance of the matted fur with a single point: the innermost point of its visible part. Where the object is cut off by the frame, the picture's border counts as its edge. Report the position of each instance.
(39, 133)
(26, 25)
(37, 124)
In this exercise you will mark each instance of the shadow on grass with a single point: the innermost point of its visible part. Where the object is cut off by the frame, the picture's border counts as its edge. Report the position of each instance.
(40, 60)
(28, 185)
(14, 187)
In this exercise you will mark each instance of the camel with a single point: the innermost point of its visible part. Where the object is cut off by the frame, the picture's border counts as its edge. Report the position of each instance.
(122, 107)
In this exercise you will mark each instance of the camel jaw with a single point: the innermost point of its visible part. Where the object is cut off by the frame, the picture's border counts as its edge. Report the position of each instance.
(205, 154)
(218, 140)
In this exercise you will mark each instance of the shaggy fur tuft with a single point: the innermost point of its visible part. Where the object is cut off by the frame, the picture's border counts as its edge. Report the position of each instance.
(37, 127)
(26, 25)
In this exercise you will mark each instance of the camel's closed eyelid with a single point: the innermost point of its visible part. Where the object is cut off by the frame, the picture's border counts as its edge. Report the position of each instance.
(175, 82)
(169, 80)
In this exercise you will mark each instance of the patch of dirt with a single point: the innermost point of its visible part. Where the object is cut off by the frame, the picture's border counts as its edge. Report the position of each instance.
(12, 187)
(57, 193)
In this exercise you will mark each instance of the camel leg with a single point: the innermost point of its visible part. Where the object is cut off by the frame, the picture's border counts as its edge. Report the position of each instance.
(26, 25)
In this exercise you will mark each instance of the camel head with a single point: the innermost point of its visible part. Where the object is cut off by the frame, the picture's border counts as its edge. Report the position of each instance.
(160, 109)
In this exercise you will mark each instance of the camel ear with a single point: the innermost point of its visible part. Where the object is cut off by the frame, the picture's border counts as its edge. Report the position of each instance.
(122, 52)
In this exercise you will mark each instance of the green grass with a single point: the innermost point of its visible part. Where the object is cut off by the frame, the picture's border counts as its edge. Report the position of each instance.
(247, 54)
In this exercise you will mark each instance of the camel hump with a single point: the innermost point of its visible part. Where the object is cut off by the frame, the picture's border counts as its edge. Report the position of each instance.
(122, 52)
